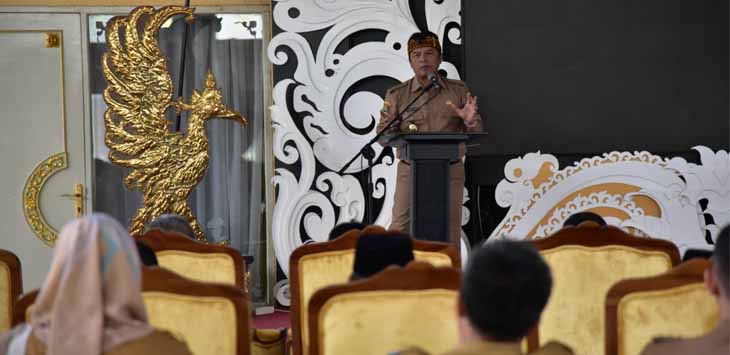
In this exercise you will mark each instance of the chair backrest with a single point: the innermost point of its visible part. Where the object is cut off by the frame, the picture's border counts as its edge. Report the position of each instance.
(673, 304)
(22, 307)
(210, 318)
(196, 260)
(317, 265)
(11, 286)
(394, 309)
(585, 262)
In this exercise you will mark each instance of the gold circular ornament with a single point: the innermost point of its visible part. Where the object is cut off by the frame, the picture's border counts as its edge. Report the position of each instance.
(412, 127)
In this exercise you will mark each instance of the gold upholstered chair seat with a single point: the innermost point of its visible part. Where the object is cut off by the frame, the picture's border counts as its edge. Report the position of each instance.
(210, 318)
(11, 286)
(317, 265)
(673, 304)
(196, 260)
(395, 309)
(585, 262)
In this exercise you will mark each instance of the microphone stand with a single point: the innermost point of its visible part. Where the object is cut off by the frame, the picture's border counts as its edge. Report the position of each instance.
(369, 154)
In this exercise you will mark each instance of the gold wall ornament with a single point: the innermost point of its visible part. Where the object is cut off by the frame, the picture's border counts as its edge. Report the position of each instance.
(32, 195)
(53, 40)
(166, 166)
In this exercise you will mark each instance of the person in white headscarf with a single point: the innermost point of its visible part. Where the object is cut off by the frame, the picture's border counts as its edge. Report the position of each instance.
(91, 299)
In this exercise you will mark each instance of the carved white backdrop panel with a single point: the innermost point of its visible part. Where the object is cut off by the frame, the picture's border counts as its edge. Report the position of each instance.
(643, 193)
(318, 126)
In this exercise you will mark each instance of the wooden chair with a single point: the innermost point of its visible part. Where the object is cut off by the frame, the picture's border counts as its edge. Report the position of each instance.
(673, 304)
(196, 260)
(585, 262)
(11, 286)
(317, 265)
(210, 318)
(394, 309)
(21, 309)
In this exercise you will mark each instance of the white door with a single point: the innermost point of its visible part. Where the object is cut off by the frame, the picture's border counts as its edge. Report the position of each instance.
(42, 153)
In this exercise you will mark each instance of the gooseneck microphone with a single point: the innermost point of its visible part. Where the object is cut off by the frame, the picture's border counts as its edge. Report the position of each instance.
(433, 81)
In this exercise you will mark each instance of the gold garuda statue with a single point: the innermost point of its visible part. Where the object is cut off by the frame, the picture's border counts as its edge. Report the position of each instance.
(166, 165)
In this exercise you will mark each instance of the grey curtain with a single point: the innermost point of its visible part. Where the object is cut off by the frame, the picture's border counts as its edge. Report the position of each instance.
(229, 201)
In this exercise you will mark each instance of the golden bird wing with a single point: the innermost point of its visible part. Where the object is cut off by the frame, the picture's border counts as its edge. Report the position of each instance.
(139, 90)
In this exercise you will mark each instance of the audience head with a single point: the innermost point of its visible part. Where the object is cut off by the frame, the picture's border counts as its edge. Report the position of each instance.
(172, 223)
(375, 252)
(580, 217)
(696, 254)
(146, 254)
(717, 278)
(343, 228)
(91, 299)
(505, 288)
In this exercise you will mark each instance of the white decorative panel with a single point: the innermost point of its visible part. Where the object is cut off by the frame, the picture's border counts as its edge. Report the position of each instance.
(540, 197)
(319, 124)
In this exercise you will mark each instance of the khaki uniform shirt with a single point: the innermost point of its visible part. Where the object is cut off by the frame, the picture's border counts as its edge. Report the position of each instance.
(716, 342)
(495, 348)
(434, 114)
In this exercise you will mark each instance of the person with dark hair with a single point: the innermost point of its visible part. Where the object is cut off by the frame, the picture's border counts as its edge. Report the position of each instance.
(172, 223)
(375, 252)
(343, 228)
(690, 254)
(446, 107)
(577, 218)
(146, 254)
(717, 281)
(504, 290)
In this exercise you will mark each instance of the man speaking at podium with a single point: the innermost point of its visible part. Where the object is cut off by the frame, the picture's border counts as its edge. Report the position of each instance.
(447, 106)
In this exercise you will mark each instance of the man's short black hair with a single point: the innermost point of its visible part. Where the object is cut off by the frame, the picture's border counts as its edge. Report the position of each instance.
(580, 217)
(172, 223)
(343, 228)
(721, 259)
(506, 286)
(696, 254)
(375, 252)
(146, 254)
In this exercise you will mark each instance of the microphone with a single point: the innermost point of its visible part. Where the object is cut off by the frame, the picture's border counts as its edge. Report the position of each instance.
(433, 81)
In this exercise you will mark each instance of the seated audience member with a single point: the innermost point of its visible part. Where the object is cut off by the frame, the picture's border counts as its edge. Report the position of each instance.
(504, 289)
(580, 217)
(717, 280)
(375, 252)
(343, 228)
(91, 300)
(172, 223)
(146, 254)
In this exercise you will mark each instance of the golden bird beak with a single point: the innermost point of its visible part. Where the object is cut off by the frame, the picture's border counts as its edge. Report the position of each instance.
(231, 115)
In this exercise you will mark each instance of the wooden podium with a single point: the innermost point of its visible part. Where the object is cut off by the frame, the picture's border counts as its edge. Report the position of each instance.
(430, 155)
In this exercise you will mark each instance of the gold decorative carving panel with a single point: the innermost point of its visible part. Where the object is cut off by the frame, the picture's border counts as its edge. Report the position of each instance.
(32, 195)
